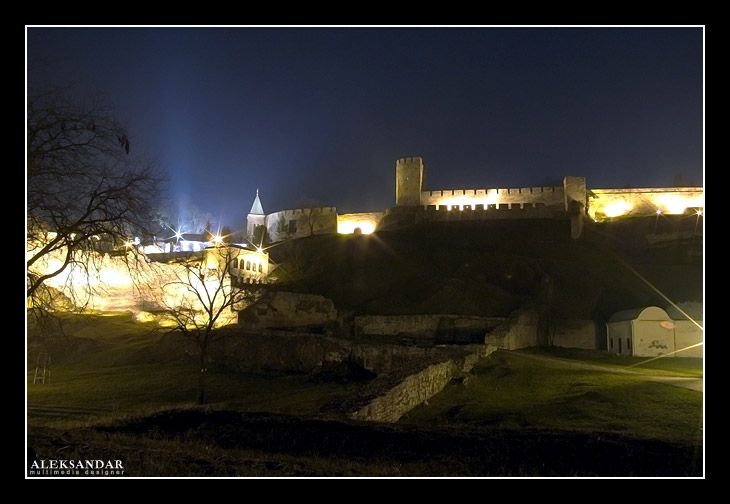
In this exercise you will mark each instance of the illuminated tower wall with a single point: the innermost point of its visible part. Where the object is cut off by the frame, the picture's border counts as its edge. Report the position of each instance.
(408, 181)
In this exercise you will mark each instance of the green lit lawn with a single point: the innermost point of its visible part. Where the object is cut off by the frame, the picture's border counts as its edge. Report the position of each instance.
(509, 390)
(670, 366)
(111, 366)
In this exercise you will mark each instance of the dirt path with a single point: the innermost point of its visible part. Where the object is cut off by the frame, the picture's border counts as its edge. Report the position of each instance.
(678, 381)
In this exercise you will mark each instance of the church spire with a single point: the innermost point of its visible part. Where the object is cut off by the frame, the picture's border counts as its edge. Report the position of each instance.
(256, 208)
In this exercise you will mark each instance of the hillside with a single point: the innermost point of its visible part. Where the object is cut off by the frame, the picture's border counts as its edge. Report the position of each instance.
(492, 267)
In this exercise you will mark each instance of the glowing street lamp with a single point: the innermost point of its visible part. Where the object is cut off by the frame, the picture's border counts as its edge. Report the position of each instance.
(658, 213)
(217, 239)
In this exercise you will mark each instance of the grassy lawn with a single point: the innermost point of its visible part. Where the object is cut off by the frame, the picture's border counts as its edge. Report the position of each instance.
(103, 369)
(509, 390)
(674, 366)
(115, 383)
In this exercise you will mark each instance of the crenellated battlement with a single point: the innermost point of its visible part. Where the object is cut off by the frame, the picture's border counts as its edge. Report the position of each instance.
(307, 211)
(571, 200)
(408, 160)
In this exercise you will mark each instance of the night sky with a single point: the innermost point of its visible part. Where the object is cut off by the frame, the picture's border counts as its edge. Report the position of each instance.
(319, 116)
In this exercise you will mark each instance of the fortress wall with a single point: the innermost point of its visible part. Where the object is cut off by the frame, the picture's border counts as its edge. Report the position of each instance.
(575, 333)
(606, 203)
(515, 196)
(501, 211)
(366, 221)
(306, 222)
(425, 326)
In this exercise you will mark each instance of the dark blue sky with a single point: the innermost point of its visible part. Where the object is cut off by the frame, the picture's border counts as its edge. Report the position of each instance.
(313, 115)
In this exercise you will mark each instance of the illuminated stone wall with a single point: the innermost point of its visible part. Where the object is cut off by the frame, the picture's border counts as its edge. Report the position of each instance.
(301, 222)
(505, 198)
(505, 211)
(609, 203)
(408, 181)
(572, 199)
(366, 221)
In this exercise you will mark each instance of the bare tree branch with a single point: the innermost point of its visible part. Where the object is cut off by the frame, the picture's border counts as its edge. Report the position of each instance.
(208, 292)
(86, 194)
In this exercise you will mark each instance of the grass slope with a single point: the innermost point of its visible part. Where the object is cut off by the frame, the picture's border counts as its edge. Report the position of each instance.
(509, 390)
(111, 366)
(487, 268)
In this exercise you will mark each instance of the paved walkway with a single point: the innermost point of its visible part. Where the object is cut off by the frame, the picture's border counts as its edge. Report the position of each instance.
(678, 381)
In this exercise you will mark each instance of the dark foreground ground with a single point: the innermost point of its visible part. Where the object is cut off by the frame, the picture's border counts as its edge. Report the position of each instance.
(200, 442)
(118, 393)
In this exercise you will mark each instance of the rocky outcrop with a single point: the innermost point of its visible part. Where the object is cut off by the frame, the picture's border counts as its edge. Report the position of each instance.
(278, 309)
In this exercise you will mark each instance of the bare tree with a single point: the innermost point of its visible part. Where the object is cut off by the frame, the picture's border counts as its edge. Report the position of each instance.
(85, 192)
(198, 293)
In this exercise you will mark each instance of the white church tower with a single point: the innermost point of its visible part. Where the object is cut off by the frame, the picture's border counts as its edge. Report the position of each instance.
(256, 217)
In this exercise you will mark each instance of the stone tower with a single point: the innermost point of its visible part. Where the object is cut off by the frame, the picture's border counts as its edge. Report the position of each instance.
(256, 217)
(408, 181)
(576, 202)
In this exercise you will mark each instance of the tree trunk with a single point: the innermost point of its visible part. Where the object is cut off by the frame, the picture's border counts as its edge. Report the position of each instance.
(203, 372)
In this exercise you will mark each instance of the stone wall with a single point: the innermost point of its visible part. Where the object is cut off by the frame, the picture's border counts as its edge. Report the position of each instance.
(416, 388)
(575, 333)
(367, 222)
(607, 203)
(479, 212)
(301, 222)
(492, 198)
(278, 351)
(288, 309)
(427, 327)
(518, 331)
(299, 352)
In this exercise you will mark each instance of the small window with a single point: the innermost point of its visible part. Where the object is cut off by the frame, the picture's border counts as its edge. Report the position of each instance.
(248, 265)
(261, 268)
(611, 343)
(619, 345)
(292, 227)
(628, 344)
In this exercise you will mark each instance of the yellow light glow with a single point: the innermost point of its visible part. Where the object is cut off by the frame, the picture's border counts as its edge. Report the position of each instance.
(699, 212)
(349, 226)
(675, 204)
(217, 239)
(458, 202)
(617, 208)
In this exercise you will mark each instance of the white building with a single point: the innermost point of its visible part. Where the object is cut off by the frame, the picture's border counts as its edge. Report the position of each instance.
(650, 331)
(686, 333)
